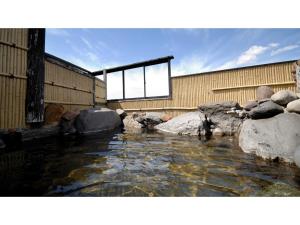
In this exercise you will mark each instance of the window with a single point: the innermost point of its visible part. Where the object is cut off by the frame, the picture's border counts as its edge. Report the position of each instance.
(142, 80)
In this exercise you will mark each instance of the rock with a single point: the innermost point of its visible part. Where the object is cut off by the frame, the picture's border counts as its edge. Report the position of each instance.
(149, 119)
(130, 124)
(283, 97)
(67, 123)
(70, 115)
(165, 117)
(185, 124)
(153, 118)
(263, 92)
(96, 120)
(224, 115)
(270, 138)
(53, 113)
(294, 106)
(265, 110)
(264, 100)
(217, 132)
(121, 113)
(250, 105)
(297, 156)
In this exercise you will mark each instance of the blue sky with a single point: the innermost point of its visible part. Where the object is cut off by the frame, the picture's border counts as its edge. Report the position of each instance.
(195, 50)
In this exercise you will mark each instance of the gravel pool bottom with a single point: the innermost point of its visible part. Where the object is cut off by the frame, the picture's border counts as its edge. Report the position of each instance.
(142, 164)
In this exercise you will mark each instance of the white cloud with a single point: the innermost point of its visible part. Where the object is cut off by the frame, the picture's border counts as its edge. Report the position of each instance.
(274, 45)
(251, 54)
(189, 65)
(284, 49)
(93, 57)
(248, 56)
(57, 32)
(87, 43)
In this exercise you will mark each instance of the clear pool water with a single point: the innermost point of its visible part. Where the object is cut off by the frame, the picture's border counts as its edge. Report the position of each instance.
(142, 164)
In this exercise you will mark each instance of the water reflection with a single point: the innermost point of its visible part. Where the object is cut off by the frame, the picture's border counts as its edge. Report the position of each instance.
(144, 164)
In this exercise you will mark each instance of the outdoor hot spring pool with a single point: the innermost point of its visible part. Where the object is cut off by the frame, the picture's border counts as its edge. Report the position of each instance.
(142, 164)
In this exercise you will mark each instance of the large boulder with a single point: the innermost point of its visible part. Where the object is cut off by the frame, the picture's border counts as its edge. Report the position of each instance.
(294, 106)
(67, 121)
(265, 110)
(224, 115)
(250, 105)
(271, 138)
(283, 97)
(96, 120)
(53, 113)
(185, 124)
(263, 92)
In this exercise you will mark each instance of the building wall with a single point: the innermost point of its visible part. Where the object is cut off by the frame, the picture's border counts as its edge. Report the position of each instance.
(100, 91)
(188, 92)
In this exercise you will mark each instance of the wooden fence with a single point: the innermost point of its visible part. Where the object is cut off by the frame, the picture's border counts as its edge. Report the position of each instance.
(65, 83)
(13, 65)
(239, 85)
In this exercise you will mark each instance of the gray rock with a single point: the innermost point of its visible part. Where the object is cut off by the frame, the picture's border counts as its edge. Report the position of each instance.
(121, 113)
(130, 124)
(283, 97)
(294, 106)
(185, 124)
(297, 156)
(149, 119)
(270, 138)
(263, 92)
(94, 120)
(224, 115)
(265, 110)
(264, 100)
(250, 105)
(67, 121)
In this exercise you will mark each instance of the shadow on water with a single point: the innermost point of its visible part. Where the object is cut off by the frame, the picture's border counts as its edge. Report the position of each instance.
(141, 164)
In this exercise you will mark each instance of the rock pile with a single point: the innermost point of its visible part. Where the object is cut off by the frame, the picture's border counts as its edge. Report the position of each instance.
(273, 129)
(144, 120)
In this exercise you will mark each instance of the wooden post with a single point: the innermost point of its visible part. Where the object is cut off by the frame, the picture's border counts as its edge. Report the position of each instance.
(144, 71)
(35, 77)
(169, 77)
(105, 81)
(123, 83)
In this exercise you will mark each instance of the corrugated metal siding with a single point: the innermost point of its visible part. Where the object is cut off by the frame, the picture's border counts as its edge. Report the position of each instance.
(100, 91)
(13, 61)
(67, 87)
(238, 84)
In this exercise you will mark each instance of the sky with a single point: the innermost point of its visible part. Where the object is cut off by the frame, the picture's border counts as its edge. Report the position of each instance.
(194, 51)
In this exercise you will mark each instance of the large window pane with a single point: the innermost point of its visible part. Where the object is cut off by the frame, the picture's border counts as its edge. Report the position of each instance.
(114, 85)
(134, 83)
(157, 82)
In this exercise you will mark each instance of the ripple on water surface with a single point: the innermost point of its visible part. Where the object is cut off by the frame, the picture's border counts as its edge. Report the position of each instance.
(144, 164)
